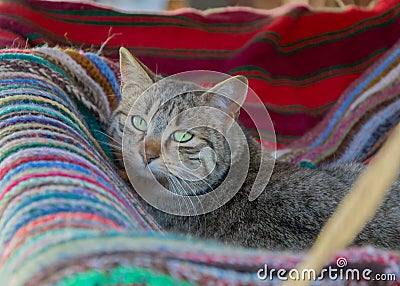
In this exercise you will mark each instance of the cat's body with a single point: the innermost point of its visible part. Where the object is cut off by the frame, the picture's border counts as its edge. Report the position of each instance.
(288, 214)
(291, 211)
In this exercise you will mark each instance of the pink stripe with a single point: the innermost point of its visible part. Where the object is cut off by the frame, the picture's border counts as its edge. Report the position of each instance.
(52, 174)
(27, 229)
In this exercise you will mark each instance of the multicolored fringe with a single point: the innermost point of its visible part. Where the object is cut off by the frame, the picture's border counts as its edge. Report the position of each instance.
(66, 218)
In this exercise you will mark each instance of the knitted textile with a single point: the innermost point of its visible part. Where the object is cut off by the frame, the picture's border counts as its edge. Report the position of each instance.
(68, 219)
(297, 60)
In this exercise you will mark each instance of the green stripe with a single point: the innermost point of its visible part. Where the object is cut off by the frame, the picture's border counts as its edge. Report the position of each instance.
(366, 23)
(70, 248)
(33, 36)
(253, 25)
(113, 23)
(329, 72)
(8, 152)
(208, 26)
(47, 36)
(73, 124)
(282, 140)
(121, 275)
(214, 54)
(205, 27)
(111, 13)
(61, 116)
(294, 109)
(224, 54)
(39, 86)
(269, 136)
(321, 39)
(32, 58)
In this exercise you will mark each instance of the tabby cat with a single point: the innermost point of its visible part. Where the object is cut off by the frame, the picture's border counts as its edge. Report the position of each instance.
(288, 214)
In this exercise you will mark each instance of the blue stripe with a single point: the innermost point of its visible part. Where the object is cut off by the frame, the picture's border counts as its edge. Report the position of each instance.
(374, 74)
(54, 163)
(45, 121)
(33, 82)
(106, 71)
(90, 205)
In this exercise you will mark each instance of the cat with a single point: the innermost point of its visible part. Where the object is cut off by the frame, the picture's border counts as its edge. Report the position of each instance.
(287, 215)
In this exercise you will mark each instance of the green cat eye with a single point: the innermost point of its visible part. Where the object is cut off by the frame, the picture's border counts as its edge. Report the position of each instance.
(139, 123)
(182, 136)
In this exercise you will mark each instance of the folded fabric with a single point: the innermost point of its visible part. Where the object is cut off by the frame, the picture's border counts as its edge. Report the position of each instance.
(297, 60)
(360, 121)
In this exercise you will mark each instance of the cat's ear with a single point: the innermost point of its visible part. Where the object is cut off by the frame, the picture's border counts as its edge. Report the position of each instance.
(229, 95)
(135, 76)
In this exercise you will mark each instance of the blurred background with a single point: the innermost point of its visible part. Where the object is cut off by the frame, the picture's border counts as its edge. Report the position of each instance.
(162, 5)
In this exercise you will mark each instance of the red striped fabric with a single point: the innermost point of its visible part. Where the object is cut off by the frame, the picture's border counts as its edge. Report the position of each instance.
(297, 60)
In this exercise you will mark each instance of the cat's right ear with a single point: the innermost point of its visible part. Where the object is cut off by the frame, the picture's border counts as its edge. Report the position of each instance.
(134, 75)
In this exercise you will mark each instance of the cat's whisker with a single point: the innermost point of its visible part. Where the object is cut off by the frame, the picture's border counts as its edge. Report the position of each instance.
(175, 189)
(180, 190)
(127, 158)
(212, 194)
(108, 136)
(203, 181)
(200, 202)
(118, 147)
(184, 195)
(192, 191)
(194, 176)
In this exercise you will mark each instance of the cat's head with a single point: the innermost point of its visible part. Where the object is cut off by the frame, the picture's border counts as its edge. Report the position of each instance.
(172, 129)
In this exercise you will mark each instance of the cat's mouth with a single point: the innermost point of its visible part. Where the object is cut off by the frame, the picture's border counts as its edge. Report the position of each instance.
(153, 171)
(180, 181)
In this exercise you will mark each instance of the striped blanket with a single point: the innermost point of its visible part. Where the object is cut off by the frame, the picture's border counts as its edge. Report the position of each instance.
(298, 61)
(67, 218)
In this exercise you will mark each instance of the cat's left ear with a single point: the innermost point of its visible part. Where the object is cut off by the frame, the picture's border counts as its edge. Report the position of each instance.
(135, 76)
(229, 95)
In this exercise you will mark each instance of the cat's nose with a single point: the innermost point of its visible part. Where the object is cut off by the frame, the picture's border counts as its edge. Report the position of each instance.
(150, 156)
(152, 150)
